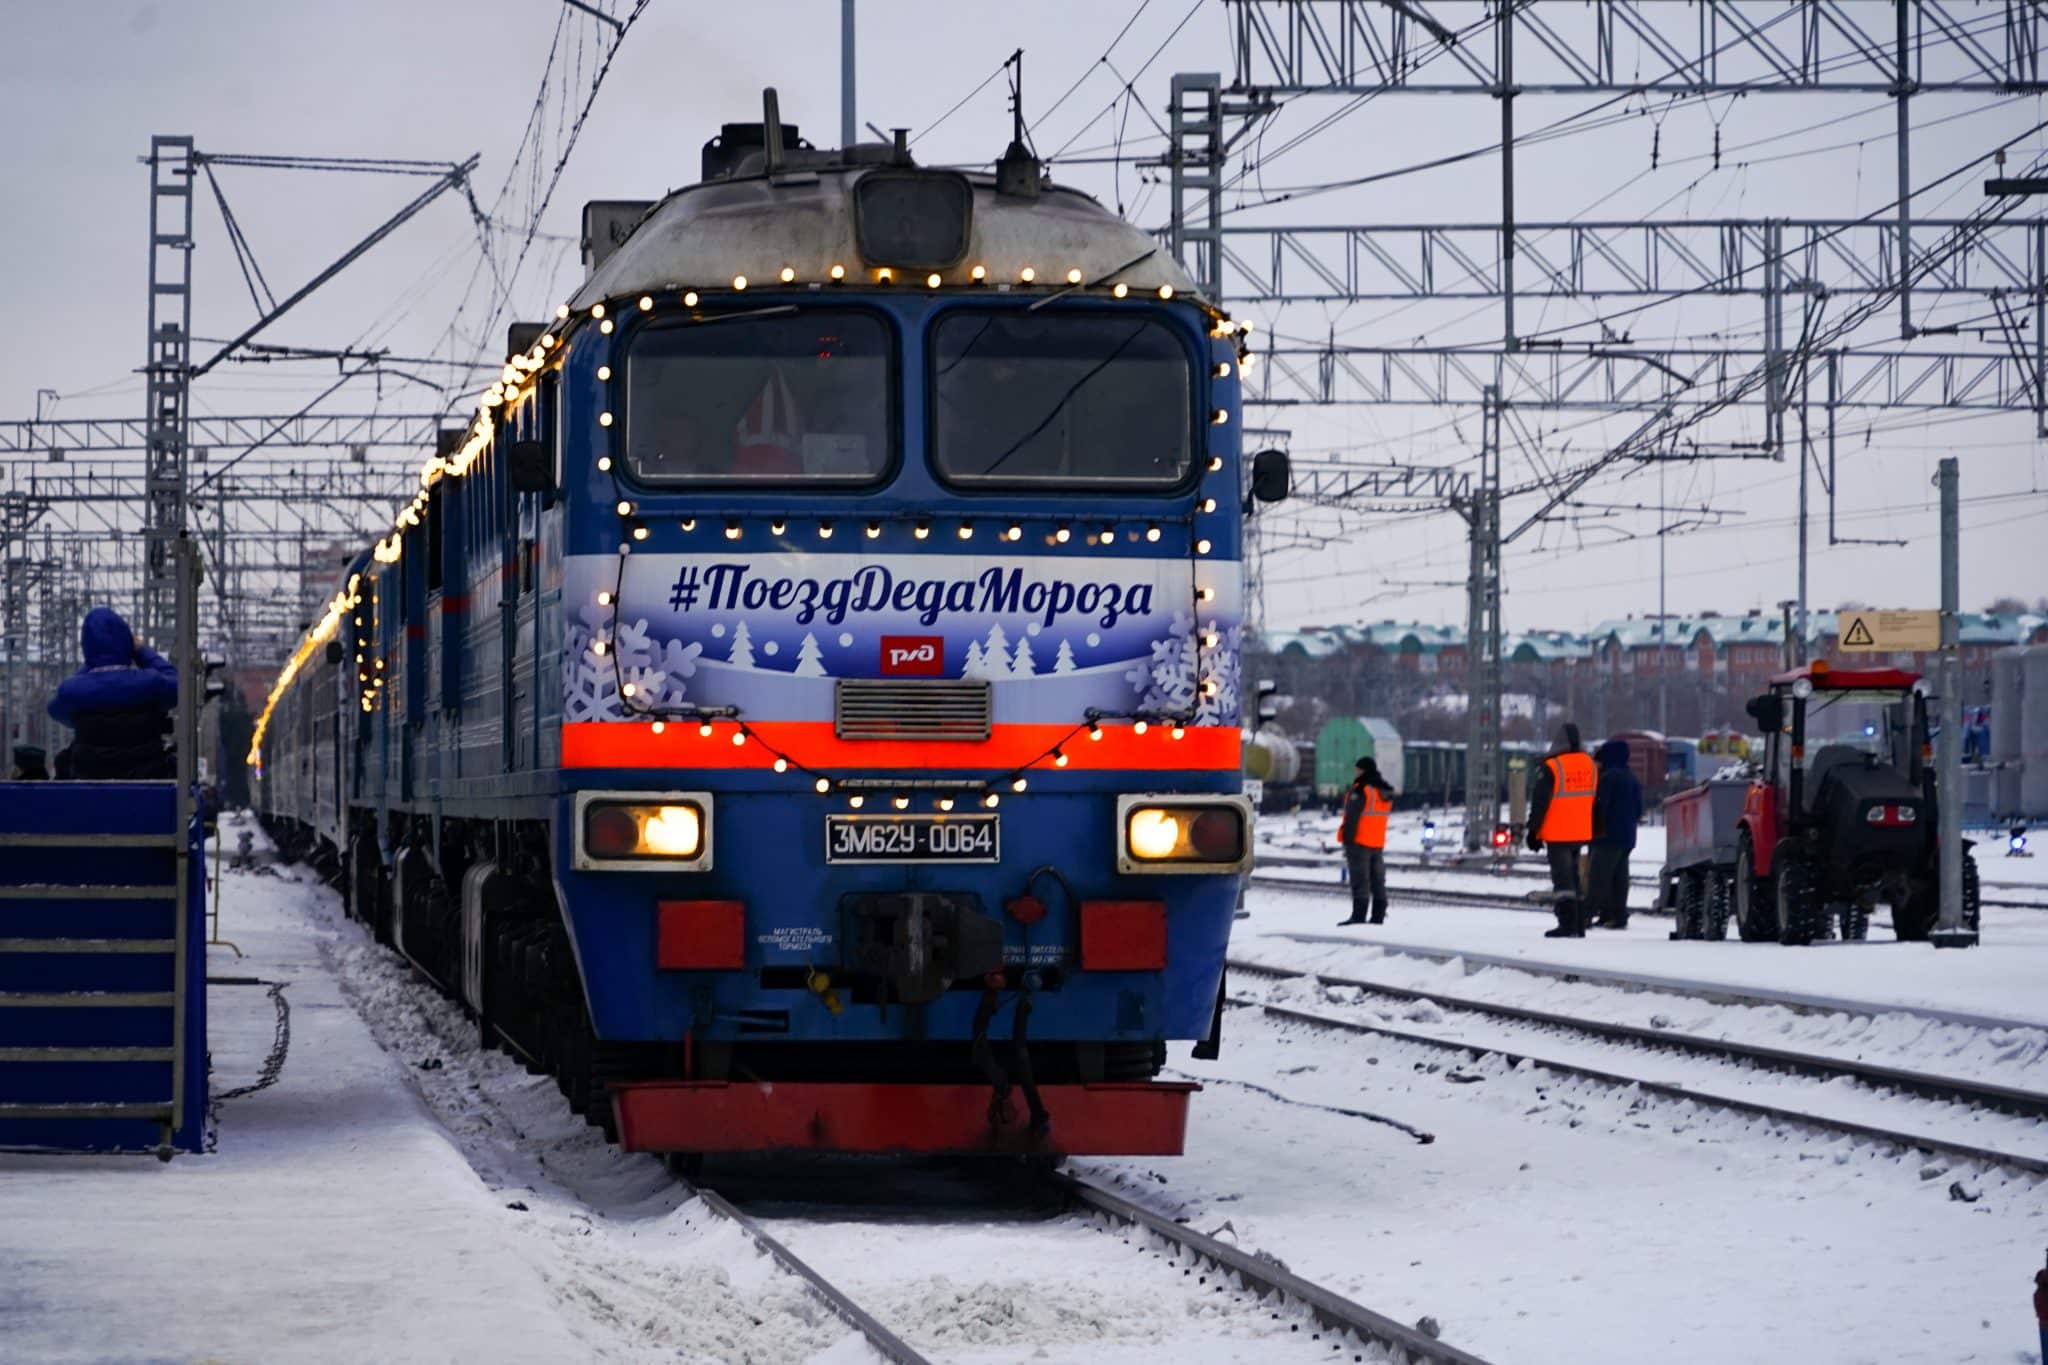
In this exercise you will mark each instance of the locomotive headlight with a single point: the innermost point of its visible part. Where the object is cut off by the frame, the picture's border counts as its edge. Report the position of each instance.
(1153, 833)
(1802, 688)
(1183, 834)
(673, 831)
(628, 831)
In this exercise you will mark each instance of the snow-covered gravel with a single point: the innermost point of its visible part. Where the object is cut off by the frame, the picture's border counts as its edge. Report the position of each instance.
(2016, 1057)
(1839, 1099)
(1577, 1223)
(2002, 978)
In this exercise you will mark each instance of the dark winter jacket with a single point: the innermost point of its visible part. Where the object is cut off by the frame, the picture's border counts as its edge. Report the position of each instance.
(117, 702)
(1618, 801)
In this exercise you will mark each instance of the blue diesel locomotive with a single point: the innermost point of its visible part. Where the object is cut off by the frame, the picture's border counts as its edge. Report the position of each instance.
(801, 710)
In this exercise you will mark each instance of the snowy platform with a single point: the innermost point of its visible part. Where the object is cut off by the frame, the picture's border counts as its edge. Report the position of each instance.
(333, 1220)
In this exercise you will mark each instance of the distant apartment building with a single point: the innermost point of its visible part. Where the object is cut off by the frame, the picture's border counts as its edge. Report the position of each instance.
(1685, 674)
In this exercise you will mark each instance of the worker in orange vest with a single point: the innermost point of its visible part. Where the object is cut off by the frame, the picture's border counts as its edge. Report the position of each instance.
(1561, 821)
(1363, 833)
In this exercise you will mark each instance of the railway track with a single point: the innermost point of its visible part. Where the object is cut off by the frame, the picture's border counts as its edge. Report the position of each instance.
(1948, 1089)
(886, 1343)
(1799, 1002)
(1327, 1321)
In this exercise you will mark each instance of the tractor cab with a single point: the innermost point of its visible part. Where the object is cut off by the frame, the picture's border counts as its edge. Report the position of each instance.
(1822, 726)
(1841, 812)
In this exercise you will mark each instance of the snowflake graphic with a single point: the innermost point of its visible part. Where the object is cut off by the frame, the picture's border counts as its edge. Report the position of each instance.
(590, 680)
(1171, 679)
(1225, 670)
(1166, 681)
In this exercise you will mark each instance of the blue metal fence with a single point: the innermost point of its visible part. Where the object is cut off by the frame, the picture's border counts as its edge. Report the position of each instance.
(102, 969)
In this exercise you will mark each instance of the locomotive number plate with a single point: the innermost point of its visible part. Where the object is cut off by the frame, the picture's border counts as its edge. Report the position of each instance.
(912, 838)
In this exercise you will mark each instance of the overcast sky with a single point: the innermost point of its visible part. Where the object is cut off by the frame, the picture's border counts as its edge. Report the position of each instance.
(84, 84)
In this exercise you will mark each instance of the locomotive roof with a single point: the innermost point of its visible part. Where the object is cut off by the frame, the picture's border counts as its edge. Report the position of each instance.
(756, 226)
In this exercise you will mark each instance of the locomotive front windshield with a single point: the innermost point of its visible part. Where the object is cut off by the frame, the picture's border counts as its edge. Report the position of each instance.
(1100, 400)
(802, 397)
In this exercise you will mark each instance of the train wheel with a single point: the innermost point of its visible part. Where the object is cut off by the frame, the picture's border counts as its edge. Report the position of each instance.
(1720, 900)
(1756, 908)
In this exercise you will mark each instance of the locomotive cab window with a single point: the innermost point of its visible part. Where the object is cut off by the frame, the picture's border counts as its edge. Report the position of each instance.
(1102, 400)
(800, 398)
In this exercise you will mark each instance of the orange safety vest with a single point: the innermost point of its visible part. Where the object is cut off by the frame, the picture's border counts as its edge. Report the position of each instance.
(1568, 819)
(1371, 831)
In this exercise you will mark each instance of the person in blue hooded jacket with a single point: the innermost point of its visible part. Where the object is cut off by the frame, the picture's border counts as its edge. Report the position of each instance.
(1617, 810)
(118, 703)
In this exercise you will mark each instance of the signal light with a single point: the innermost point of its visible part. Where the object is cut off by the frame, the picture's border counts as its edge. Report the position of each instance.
(1500, 836)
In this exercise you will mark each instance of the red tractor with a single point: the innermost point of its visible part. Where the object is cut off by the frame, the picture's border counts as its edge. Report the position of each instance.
(1842, 814)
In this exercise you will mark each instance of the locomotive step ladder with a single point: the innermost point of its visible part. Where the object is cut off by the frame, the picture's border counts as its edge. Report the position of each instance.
(102, 969)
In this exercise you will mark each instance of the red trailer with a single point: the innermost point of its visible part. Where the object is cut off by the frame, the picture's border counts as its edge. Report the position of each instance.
(1698, 883)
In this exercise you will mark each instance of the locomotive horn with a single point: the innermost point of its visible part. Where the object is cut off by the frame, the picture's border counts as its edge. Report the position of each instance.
(771, 129)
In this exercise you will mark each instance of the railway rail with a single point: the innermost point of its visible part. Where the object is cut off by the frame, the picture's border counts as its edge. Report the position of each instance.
(1262, 1277)
(1348, 1329)
(1799, 1002)
(2001, 1099)
(885, 1343)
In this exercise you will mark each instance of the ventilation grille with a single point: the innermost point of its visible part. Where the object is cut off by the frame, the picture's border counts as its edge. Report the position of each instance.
(886, 708)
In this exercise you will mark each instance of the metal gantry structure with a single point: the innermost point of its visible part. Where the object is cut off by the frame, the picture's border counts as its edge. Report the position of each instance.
(92, 508)
(1816, 291)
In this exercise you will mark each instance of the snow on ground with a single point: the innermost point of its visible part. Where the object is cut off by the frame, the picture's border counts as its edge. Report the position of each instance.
(336, 1216)
(2015, 1057)
(981, 1291)
(1843, 1100)
(339, 1219)
(1554, 1221)
(2002, 977)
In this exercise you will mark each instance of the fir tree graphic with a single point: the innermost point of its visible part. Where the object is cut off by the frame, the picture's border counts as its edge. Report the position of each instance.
(1063, 662)
(1022, 665)
(972, 668)
(810, 660)
(742, 655)
(995, 653)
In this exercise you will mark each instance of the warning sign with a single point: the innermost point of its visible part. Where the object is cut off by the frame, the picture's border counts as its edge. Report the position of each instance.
(1901, 632)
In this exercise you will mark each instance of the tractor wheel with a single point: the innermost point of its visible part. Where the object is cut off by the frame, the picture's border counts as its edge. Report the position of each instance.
(1915, 907)
(1801, 916)
(1686, 904)
(1916, 913)
(1973, 904)
(1855, 922)
(1756, 899)
(1720, 900)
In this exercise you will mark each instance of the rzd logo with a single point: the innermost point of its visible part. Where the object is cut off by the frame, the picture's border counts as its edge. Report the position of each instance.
(918, 655)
